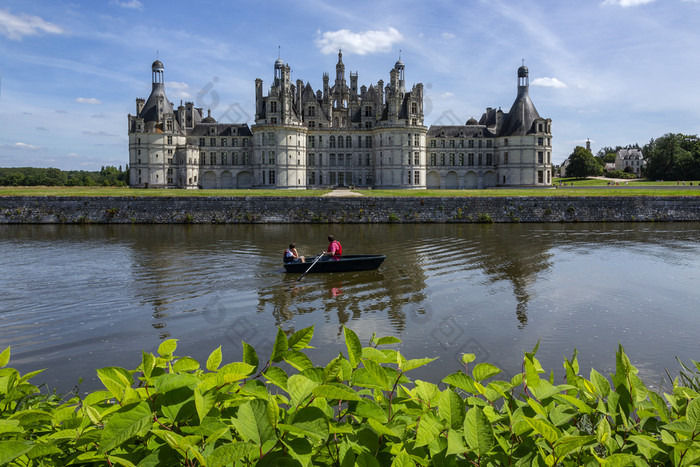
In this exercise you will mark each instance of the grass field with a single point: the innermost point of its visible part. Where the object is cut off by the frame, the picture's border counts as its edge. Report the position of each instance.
(590, 187)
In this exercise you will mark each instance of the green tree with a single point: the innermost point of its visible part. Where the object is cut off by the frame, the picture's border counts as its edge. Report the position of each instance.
(674, 156)
(582, 164)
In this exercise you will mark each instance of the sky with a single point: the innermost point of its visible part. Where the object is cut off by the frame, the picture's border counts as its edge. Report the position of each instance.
(616, 72)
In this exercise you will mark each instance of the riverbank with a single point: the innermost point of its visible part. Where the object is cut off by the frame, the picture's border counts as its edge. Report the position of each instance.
(368, 210)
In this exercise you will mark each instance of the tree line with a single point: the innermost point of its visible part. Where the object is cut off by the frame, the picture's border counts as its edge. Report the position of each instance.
(36, 176)
(674, 156)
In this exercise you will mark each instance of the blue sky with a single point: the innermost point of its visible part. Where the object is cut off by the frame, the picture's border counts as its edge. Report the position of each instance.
(615, 71)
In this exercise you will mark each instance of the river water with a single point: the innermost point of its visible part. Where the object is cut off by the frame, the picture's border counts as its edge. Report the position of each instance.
(78, 298)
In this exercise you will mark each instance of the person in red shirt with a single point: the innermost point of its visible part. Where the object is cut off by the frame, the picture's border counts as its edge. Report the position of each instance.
(335, 249)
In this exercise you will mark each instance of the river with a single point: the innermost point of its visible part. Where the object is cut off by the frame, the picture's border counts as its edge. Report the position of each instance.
(78, 298)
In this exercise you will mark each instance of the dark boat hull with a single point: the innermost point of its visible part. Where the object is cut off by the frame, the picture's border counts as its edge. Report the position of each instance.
(344, 264)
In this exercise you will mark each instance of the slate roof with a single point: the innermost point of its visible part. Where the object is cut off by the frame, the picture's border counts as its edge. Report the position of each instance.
(459, 131)
(519, 120)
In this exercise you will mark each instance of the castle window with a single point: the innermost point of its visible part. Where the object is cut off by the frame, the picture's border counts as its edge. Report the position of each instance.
(341, 160)
(368, 111)
(368, 141)
(480, 160)
(246, 161)
(416, 158)
(489, 143)
(271, 157)
(341, 142)
(540, 127)
(202, 159)
(505, 142)
(359, 159)
(414, 107)
(224, 158)
(461, 143)
(442, 143)
(331, 142)
(368, 125)
(433, 144)
(202, 142)
(368, 159)
(234, 142)
(169, 125)
(433, 158)
(540, 157)
(348, 141)
(540, 176)
(273, 120)
(312, 141)
(212, 142)
(461, 159)
(273, 106)
(170, 140)
(470, 159)
(416, 140)
(331, 160)
(312, 111)
(505, 157)
(312, 159)
(452, 159)
(442, 159)
(271, 177)
(489, 159)
(312, 178)
(234, 158)
(416, 177)
(246, 142)
(452, 143)
(540, 141)
(212, 158)
(224, 142)
(480, 143)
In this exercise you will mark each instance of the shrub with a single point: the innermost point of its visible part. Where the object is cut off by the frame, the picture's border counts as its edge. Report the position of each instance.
(359, 409)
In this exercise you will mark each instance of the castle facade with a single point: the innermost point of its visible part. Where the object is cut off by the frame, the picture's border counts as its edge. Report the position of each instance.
(340, 135)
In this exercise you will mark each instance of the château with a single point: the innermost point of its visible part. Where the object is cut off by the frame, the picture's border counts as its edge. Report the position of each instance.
(341, 135)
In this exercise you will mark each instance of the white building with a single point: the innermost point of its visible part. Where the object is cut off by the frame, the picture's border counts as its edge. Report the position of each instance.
(339, 135)
(632, 158)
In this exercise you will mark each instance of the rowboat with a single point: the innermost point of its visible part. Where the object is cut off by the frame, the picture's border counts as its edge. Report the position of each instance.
(344, 264)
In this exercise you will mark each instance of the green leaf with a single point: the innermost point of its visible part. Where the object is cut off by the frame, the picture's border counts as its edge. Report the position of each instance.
(328, 391)
(250, 356)
(300, 388)
(228, 454)
(484, 371)
(333, 370)
(203, 403)
(378, 374)
(280, 347)
(660, 406)
(116, 380)
(148, 363)
(451, 408)
(5, 357)
(548, 431)
(692, 414)
(429, 429)
(600, 382)
(354, 347)
(277, 376)
(10, 450)
(313, 422)
(416, 363)
(461, 381)
(298, 360)
(467, 358)
(388, 340)
(403, 459)
(478, 431)
(167, 348)
(568, 444)
(214, 359)
(127, 422)
(382, 429)
(455, 443)
(620, 460)
(300, 339)
(252, 422)
(185, 364)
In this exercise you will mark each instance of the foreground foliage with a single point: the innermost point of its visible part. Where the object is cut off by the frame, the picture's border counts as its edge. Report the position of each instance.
(360, 409)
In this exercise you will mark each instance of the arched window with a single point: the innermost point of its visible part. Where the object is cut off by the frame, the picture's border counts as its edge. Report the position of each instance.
(331, 142)
(348, 142)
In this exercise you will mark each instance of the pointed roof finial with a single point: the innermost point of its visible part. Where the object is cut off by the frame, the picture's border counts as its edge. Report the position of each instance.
(399, 54)
(279, 51)
(523, 61)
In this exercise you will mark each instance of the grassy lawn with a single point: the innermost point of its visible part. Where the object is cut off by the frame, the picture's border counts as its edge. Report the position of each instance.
(632, 182)
(597, 188)
(112, 191)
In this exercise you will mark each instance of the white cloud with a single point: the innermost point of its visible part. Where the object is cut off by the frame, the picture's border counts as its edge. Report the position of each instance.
(359, 43)
(134, 4)
(448, 35)
(16, 27)
(20, 145)
(179, 89)
(446, 95)
(549, 83)
(97, 133)
(88, 100)
(627, 3)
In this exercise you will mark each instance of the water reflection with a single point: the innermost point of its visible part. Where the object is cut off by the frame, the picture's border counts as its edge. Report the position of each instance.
(77, 293)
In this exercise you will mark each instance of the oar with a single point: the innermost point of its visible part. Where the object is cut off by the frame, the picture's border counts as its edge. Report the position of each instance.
(312, 265)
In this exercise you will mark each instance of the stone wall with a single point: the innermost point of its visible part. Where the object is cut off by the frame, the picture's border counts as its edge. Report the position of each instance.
(233, 210)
